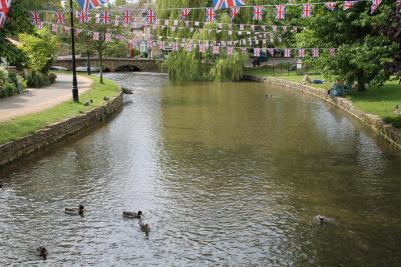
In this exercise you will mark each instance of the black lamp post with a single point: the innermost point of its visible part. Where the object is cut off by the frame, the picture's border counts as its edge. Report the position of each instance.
(75, 95)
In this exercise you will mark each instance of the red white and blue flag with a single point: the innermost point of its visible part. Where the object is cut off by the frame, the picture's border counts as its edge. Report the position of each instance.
(280, 11)
(348, 5)
(151, 17)
(105, 17)
(287, 52)
(301, 53)
(59, 17)
(83, 16)
(331, 5)
(258, 13)
(271, 51)
(230, 51)
(210, 14)
(375, 5)
(222, 4)
(234, 11)
(90, 4)
(306, 10)
(127, 17)
(256, 52)
(315, 52)
(4, 8)
(35, 18)
(185, 13)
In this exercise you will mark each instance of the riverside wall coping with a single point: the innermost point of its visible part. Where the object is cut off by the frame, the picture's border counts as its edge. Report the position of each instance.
(385, 130)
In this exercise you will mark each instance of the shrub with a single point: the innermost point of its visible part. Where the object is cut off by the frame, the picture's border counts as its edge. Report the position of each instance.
(37, 79)
(9, 83)
(52, 77)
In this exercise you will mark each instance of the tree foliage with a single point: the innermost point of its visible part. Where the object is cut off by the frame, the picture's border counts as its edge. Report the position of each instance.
(362, 51)
(40, 49)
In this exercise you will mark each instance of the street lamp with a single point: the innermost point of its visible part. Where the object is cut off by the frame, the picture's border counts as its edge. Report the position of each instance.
(75, 95)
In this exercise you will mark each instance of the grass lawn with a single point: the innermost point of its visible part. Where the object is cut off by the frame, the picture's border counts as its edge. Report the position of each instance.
(380, 101)
(22, 126)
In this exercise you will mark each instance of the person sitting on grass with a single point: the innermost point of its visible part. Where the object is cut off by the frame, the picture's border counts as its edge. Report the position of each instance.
(337, 89)
(307, 79)
(397, 110)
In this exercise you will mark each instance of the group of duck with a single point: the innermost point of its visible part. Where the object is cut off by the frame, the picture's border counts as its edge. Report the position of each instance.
(43, 253)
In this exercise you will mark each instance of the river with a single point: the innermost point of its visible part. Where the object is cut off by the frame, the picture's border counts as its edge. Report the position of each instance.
(224, 177)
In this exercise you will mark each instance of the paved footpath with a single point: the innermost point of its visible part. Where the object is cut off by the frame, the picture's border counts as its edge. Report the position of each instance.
(35, 100)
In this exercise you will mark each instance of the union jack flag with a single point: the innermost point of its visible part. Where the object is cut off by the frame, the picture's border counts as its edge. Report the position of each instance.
(90, 4)
(185, 13)
(83, 16)
(348, 4)
(375, 5)
(162, 45)
(189, 47)
(96, 36)
(151, 17)
(230, 51)
(216, 49)
(258, 13)
(315, 52)
(234, 11)
(280, 11)
(127, 17)
(108, 37)
(301, 53)
(287, 52)
(35, 18)
(271, 51)
(221, 4)
(307, 10)
(59, 17)
(256, 52)
(4, 8)
(210, 14)
(105, 17)
(175, 47)
(331, 5)
(201, 48)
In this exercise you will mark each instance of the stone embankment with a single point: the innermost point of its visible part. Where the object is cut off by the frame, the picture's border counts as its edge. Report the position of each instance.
(15, 150)
(385, 130)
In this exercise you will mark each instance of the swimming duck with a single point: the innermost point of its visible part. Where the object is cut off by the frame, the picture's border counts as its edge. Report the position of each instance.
(144, 228)
(132, 215)
(75, 211)
(321, 219)
(42, 252)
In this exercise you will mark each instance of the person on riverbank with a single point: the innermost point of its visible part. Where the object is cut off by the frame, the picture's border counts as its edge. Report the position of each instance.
(337, 89)
(307, 79)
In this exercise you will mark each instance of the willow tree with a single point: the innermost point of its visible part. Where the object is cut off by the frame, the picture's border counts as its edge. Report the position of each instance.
(193, 65)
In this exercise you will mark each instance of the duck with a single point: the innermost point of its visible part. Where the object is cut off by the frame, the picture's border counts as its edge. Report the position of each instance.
(1, 184)
(144, 228)
(132, 215)
(106, 98)
(42, 252)
(321, 219)
(88, 102)
(397, 110)
(75, 211)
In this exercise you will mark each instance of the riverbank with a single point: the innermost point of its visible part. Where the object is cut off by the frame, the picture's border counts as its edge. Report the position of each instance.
(386, 130)
(23, 135)
(379, 101)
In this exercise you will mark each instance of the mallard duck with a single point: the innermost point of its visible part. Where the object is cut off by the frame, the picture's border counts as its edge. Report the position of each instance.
(75, 211)
(42, 252)
(132, 215)
(144, 228)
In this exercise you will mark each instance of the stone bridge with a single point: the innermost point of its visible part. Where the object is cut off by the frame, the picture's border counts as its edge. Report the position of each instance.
(113, 64)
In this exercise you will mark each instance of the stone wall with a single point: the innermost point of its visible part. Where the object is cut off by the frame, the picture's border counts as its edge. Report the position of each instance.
(15, 150)
(385, 130)
(112, 63)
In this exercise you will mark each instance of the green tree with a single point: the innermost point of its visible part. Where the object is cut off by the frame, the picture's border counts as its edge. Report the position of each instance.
(40, 49)
(362, 52)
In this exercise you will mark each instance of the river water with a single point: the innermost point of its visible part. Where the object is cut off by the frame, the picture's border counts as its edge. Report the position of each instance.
(224, 177)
